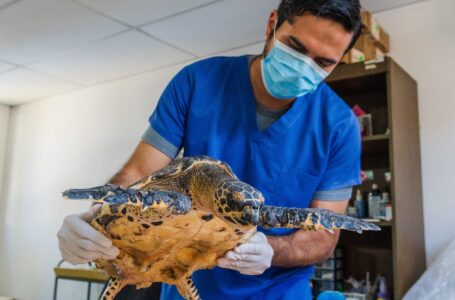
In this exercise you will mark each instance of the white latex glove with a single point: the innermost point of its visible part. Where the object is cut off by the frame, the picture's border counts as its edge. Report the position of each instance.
(80, 243)
(251, 258)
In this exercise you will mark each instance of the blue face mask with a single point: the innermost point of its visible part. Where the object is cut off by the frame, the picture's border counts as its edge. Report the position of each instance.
(289, 74)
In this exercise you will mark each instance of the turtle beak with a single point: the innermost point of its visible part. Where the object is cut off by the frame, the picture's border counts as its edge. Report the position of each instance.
(255, 217)
(251, 215)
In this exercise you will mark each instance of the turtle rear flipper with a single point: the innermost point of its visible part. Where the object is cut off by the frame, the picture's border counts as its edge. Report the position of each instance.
(310, 219)
(113, 287)
(187, 289)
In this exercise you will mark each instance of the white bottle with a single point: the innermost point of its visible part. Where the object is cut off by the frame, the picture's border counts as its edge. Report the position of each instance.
(384, 201)
(388, 212)
(374, 202)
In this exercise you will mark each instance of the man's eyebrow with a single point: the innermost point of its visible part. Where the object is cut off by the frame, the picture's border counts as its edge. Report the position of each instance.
(299, 44)
(304, 50)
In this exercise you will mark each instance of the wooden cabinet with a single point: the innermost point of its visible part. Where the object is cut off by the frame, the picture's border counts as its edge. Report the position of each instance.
(398, 252)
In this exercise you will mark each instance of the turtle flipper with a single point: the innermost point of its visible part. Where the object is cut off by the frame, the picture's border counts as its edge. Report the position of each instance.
(187, 289)
(95, 193)
(112, 289)
(310, 219)
(170, 201)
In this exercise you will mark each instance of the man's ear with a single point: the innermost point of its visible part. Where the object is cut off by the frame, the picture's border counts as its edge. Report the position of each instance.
(273, 19)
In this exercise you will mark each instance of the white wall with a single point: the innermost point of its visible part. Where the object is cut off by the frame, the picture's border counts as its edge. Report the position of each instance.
(423, 43)
(4, 120)
(75, 140)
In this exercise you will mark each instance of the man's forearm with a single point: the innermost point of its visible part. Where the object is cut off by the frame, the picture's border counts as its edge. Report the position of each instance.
(124, 178)
(145, 160)
(302, 248)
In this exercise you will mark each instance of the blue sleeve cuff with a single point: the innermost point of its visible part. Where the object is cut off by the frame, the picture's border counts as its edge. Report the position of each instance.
(334, 195)
(153, 138)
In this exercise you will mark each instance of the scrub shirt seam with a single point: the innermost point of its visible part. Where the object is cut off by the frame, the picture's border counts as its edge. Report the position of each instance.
(152, 137)
(352, 183)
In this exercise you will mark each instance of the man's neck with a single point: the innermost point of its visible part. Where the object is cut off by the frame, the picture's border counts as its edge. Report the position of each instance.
(260, 93)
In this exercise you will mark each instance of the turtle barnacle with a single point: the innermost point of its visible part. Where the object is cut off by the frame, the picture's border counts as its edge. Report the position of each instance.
(183, 218)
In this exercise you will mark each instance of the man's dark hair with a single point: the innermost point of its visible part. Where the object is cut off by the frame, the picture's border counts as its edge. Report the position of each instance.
(344, 12)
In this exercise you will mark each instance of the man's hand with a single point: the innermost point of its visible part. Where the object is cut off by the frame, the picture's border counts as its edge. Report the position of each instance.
(251, 258)
(80, 243)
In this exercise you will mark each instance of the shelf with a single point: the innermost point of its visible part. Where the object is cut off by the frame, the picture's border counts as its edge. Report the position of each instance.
(358, 70)
(377, 137)
(375, 146)
(389, 94)
(383, 223)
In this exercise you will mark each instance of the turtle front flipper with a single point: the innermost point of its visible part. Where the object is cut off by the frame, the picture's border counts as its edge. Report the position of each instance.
(187, 289)
(173, 203)
(113, 287)
(310, 219)
(95, 193)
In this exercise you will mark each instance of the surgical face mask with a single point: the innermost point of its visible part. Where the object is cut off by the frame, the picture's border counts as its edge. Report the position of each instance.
(289, 74)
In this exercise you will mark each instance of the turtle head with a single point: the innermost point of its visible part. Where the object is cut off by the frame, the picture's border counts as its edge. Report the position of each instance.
(238, 202)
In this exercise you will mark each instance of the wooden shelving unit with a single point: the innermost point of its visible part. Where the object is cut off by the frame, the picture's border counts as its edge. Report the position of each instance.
(397, 252)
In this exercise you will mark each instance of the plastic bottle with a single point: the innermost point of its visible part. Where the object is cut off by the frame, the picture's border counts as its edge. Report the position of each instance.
(360, 205)
(384, 201)
(388, 212)
(382, 294)
(352, 211)
(374, 202)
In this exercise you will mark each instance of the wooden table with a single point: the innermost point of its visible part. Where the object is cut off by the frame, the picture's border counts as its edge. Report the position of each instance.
(86, 275)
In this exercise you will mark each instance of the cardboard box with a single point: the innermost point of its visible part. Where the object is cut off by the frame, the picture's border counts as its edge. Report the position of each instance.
(353, 56)
(372, 24)
(372, 27)
(384, 41)
(366, 44)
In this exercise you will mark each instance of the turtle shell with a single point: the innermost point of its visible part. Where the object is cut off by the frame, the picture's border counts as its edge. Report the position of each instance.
(164, 241)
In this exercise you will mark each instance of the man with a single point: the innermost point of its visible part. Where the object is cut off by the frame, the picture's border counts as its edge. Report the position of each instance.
(279, 127)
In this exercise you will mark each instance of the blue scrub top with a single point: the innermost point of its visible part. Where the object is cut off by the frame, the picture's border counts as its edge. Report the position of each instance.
(209, 109)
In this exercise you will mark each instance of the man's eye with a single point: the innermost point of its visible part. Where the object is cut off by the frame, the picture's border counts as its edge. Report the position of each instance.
(323, 64)
(297, 49)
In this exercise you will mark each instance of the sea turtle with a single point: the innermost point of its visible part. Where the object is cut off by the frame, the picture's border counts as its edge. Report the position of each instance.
(183, 218)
